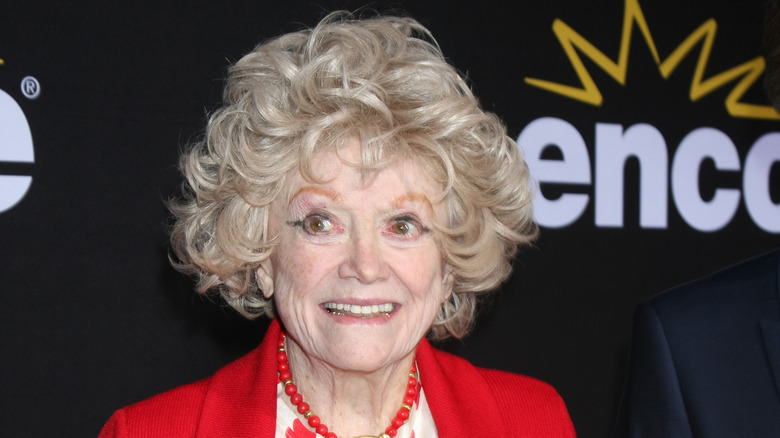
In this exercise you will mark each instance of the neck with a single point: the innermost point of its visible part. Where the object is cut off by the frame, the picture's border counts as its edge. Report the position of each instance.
(351, 403)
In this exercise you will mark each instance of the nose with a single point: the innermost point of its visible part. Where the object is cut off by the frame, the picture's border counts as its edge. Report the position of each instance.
(364, 261)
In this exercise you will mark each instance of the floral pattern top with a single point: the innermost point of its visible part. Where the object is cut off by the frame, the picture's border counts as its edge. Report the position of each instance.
(289, 423)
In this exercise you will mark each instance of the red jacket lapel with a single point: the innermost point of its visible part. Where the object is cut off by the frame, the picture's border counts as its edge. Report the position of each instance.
(241, 398)
(460, 400)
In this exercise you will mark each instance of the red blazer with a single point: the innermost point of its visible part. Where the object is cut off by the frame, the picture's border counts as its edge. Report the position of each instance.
(239, 400)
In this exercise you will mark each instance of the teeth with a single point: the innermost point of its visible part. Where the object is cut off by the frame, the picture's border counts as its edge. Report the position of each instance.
(359, 311)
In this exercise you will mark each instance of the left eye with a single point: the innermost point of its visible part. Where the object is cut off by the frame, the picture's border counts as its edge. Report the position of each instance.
(403, 227)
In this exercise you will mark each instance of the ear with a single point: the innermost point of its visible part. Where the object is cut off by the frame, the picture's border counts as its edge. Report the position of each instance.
(264, 277)
(447, 280)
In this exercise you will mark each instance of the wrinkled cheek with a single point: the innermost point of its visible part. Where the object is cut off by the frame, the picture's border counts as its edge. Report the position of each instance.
(300, 261)
(433, 297)
(432, 284)
(432, 304)
(293, 272)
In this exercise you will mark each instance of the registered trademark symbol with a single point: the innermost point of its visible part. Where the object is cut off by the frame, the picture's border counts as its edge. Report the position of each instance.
(31, 87)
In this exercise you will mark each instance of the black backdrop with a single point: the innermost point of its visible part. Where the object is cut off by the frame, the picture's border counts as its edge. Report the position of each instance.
(92, 317)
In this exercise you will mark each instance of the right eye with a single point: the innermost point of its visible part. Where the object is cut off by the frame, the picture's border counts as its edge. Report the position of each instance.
(317, 224)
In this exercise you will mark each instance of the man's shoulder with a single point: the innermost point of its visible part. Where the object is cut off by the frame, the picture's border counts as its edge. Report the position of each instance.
(747, 286)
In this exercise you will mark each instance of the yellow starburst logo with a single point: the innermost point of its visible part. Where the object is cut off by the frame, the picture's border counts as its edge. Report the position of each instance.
(573, 43)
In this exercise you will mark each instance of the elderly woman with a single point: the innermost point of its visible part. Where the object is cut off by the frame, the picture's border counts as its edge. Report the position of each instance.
(352, 189)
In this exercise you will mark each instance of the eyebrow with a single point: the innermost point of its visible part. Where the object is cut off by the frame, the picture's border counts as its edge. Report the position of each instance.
(412, 197)
(335, 197)
(315, 191)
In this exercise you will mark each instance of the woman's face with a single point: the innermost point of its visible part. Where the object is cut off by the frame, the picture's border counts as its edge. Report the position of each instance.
(357, 275)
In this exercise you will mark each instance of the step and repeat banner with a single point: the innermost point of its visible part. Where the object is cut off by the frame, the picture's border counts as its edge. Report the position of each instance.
(644, 122)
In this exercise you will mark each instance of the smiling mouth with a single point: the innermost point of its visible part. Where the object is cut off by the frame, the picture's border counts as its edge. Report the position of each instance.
(357, 311)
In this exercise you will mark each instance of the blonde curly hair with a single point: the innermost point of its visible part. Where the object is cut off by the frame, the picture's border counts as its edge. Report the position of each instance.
(385, 82)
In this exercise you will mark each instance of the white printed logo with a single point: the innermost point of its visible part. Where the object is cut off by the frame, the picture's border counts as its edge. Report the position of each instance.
(15, 146)
(616, 144)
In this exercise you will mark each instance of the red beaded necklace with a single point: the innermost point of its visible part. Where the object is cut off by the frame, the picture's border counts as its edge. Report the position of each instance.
(314, 421)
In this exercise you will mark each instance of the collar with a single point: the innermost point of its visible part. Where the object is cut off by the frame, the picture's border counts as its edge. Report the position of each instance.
(460, 398)
(241, 397)
(241, 400)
